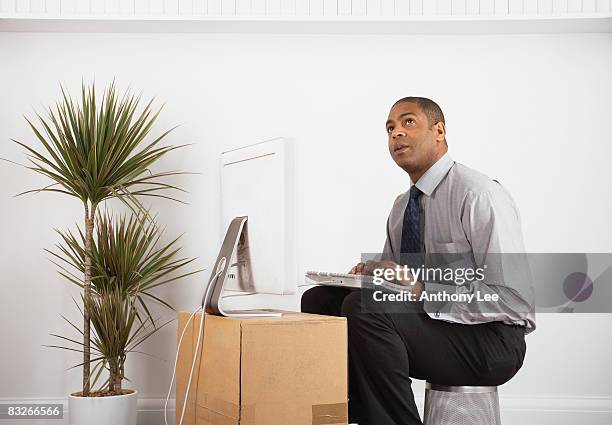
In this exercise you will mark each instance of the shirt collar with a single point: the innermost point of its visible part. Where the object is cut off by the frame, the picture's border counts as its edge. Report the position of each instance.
(434, 175)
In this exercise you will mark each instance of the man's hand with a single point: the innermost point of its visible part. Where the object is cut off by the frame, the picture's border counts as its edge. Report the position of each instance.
(369, 266)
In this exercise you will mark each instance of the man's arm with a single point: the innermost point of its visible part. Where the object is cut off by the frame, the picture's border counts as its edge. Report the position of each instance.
(491, 224)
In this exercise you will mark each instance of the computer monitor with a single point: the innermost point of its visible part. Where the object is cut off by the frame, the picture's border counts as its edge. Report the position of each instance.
(257, 181)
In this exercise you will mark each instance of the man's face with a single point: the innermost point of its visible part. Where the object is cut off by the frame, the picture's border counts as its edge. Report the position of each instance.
(413, 145)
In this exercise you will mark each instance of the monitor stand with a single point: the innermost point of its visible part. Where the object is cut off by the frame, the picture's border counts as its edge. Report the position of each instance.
(235, 245)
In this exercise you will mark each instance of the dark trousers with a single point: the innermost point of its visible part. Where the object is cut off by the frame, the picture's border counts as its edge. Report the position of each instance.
(386, 350)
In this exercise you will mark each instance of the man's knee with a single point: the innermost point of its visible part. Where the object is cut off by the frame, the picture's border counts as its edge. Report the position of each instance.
(312, 300)
(351, 306)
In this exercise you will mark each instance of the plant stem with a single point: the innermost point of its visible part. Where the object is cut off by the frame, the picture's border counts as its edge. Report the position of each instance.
(118, 379)
(114, 383)
(89, 224)
(113, 374)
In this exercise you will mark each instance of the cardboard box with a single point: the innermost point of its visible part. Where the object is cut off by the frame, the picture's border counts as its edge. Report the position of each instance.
(290, 370)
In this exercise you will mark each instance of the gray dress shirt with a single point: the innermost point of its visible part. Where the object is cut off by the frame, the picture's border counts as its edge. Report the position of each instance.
(467, 213)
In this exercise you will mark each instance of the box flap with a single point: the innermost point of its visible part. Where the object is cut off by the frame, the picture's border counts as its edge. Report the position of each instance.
(216, 377)
(219, 381)
(288, 317)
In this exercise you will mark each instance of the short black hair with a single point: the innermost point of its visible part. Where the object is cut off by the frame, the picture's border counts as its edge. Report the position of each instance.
(432, 111)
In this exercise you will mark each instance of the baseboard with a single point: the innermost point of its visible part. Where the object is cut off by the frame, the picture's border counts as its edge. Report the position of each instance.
(555, 410)
(515, 410)
(150, 410)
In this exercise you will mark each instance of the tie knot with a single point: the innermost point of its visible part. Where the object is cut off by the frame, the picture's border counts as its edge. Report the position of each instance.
(415, 192)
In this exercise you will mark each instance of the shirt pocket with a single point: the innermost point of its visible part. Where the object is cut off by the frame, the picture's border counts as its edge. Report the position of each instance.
(445, 248)
(449, 254)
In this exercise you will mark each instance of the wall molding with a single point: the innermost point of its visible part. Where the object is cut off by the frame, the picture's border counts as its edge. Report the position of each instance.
(323, 25)
(308, 16)
(305, 8)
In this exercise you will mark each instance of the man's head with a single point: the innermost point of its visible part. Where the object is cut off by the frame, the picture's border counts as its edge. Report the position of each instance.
(417, 134)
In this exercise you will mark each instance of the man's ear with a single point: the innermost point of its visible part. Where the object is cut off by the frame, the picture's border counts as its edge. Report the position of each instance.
(440, 130)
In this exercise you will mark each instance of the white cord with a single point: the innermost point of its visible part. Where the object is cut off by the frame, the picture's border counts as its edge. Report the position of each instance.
(220, 268)
(195, 357)
(176, 361)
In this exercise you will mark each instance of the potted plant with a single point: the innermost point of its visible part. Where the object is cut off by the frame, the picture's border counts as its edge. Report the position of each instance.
(127, 262)
(95, 151)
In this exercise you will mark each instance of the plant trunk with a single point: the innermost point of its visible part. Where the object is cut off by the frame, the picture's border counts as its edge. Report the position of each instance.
(89, 224)
(118, 380)
(114, 382)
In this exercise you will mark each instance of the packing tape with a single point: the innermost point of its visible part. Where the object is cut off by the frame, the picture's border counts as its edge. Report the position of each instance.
(217, 405)
(247, 414)
(329, 414)
(207, 416)
(213, 410)
(322, 414)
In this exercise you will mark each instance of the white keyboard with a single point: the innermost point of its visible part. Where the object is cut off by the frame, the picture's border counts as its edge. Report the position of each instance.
(350, 280)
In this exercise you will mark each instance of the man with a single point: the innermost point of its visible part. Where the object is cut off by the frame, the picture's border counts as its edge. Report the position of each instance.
(449, 209)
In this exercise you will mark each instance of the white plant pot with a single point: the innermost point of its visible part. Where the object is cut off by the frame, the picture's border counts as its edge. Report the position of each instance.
(115, 410)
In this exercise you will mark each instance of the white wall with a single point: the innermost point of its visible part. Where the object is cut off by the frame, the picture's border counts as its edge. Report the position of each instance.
(529, 110)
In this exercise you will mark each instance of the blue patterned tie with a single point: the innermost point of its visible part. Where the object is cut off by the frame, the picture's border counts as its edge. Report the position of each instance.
(411, 228)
